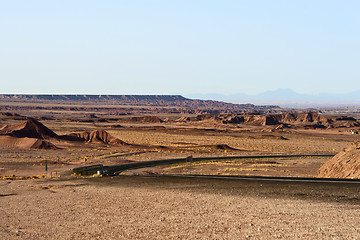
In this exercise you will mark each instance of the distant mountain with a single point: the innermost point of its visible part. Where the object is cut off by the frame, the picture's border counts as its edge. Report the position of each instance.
(286, 98)
(282, 94)
(176, 101)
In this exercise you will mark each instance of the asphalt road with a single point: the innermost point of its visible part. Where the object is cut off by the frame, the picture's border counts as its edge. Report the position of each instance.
(116, 169)
(271, 179)
(323, 190)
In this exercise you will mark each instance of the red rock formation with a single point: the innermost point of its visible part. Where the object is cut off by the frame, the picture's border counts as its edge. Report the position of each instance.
(30, 129)
(99, 136)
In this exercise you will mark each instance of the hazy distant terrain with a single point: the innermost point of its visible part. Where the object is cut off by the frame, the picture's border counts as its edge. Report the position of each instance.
(179, 102)
(287, 98)
(46, 136)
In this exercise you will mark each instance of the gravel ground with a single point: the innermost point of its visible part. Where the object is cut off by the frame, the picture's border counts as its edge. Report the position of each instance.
(173, 208)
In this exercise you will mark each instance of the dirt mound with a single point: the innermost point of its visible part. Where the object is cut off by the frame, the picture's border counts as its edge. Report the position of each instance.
(98, 136)
(30, 129)
(273, 137)
(346, 164)
(207, 148)
(222, 147)
(42, 144)
(144, 119)
(9, 142)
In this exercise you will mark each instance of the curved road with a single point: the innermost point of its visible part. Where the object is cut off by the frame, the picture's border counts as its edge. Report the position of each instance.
(113, 170)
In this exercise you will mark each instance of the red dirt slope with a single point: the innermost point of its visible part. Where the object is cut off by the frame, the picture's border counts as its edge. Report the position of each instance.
(27, 135)
(42, 144)
(346, 164)
(9, 142)
(30, 129)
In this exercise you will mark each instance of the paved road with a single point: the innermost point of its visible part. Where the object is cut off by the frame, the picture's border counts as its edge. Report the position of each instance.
(116, 169)
(273, 179)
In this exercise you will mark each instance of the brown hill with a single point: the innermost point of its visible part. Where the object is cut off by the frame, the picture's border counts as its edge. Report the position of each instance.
(30, 129)
(346, 164)
(9, 142)
(42, 144)
(99, 136)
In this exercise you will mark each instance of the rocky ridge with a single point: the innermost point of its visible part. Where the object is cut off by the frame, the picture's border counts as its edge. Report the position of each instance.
(142, 100)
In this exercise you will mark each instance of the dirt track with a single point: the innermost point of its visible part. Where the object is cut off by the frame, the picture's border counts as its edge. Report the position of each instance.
(166, 208)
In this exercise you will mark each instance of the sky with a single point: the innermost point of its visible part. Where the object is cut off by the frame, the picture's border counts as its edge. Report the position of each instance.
(179, 46)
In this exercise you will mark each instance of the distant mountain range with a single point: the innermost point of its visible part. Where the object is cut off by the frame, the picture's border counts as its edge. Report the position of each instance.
(176, 101)
(286, 98)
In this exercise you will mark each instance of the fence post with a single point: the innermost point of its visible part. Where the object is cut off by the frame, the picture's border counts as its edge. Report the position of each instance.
(189, 158)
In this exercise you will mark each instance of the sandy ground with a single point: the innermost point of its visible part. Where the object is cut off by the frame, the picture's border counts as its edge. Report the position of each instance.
(130, 207)
(181, 142)
(163, 208)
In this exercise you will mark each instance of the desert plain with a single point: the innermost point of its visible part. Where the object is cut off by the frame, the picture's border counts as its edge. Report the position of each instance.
(42, 140)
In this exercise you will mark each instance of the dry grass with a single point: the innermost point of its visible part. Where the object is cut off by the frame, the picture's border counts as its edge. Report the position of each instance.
(14, 177)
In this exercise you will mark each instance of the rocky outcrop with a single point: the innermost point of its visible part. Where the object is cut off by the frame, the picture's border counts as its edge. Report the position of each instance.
(98, 136)
(310, 120)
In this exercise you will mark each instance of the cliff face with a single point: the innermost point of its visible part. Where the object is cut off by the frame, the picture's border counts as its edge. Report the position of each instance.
(346, 164)
(99, 136)
(142, 100)
(123, 98)
(296, 120)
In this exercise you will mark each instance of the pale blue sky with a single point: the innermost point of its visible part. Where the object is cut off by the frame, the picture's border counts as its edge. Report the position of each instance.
(170, 46)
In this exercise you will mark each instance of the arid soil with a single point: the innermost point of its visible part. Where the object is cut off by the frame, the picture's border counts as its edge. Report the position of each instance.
(168, 208)
(75, 144)
(40, 136)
